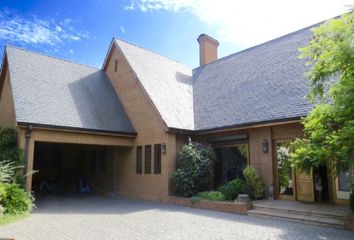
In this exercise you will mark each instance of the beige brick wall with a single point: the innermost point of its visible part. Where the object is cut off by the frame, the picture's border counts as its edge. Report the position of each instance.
(150, 128)
(287, 131)
(7, 111)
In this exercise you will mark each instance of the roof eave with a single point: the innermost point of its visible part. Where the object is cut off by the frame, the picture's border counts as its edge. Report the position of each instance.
(250, 125)
(180, 131)
(76, 129)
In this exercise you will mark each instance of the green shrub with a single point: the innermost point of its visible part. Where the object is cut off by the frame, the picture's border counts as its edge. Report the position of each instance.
(183, 183)
(16, 200)
(254, 183)
(232, 189)
(194, 172)
(2, 191)
(11, 157)
(212, 195)
(351, 200)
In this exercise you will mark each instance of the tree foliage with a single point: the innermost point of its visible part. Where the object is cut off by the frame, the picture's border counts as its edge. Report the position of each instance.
(7, 172)
(194, 171)
(8, 146)
(329, 127)
(11, 157)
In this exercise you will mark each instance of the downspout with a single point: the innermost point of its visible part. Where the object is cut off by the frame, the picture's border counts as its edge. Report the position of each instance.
(27, 142)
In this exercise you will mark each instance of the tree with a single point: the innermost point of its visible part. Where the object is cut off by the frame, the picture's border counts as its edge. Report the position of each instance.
(329, 127)
(9, 150)
(11, 157)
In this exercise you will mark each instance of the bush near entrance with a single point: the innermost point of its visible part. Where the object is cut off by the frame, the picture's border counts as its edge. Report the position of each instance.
(232, 189)
(15, 202)
(211, 195)
(194, 172)
(254, 184)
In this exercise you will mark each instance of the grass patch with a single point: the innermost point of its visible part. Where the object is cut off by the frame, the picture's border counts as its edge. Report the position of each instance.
(10, 218)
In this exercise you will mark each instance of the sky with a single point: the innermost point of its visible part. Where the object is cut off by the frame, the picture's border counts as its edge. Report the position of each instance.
(82, 30)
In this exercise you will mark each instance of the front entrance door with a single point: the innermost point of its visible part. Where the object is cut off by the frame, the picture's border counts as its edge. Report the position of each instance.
(321, 184)
(305, 187)
(291, 184)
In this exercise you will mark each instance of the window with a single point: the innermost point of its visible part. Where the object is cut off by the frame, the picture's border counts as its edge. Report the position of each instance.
(157, 159)
(147, 159)
(115, 65)
(343, 181)
(139, 159)
(230, 162)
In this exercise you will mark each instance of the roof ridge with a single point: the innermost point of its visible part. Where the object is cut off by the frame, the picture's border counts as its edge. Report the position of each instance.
(261, 44)
(156, 53)
(48, 56)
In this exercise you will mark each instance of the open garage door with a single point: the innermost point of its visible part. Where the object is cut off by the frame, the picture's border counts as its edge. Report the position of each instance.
(73, 169)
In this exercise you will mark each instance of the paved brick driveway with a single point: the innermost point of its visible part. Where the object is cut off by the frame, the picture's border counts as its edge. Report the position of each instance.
(116, 218)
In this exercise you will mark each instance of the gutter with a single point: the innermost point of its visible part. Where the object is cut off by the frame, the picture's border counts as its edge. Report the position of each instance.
(237, 126)
(77, 129)
(251, 125)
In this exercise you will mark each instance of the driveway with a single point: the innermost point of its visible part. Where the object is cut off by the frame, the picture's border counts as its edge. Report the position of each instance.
(118, 218)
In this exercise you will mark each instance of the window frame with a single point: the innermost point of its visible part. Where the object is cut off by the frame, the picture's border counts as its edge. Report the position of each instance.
(147, 159)
(157, 158)
(139, 160)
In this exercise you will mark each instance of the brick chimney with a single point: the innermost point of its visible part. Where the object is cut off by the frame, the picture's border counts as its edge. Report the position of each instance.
(208, 49)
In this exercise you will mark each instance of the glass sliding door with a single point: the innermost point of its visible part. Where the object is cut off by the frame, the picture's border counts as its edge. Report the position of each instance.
(230, 162)
(285, 173)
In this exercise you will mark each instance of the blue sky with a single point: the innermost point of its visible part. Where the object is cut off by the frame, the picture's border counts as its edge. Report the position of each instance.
(81, 31)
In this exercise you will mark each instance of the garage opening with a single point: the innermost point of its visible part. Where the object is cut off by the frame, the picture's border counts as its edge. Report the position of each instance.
(73, 169)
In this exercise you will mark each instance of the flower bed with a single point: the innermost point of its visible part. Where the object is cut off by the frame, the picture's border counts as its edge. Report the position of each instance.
(222, 206)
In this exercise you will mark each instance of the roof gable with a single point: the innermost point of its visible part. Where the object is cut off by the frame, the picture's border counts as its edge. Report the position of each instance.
(60, 93)
(261, 84)
(167, 82)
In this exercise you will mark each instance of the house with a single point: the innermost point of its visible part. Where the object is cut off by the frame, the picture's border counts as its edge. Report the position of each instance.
(121, 126)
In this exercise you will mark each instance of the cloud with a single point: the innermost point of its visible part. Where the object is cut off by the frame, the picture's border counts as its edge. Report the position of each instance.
(250, 22)
(31, 29)
(122, 29)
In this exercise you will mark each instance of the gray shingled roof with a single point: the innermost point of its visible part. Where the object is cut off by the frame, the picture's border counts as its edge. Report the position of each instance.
(60, 93)
(260, 84)
(167, 82)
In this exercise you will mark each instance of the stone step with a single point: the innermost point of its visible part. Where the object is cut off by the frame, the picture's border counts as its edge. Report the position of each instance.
(301, 212)
(315, 220)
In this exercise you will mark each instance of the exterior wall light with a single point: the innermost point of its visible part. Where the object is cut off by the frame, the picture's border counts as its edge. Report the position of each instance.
(163, 148)
(265, 146)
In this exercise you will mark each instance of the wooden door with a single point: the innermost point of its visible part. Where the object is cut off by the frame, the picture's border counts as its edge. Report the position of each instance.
(304, 187)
